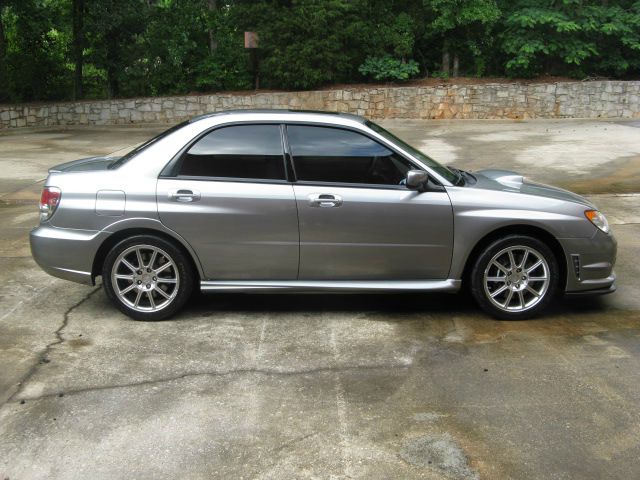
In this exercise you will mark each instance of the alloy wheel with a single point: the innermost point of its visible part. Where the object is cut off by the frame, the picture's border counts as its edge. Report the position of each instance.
(516, 278)
(145, 278)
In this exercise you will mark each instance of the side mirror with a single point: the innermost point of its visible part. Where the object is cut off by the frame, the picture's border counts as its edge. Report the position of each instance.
(417, 179)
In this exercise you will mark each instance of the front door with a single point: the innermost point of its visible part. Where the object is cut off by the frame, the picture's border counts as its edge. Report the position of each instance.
(357, 219)
(229, 199)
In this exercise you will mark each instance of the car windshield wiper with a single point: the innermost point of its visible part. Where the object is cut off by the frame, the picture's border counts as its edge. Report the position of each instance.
(468, 176)
(459, 176)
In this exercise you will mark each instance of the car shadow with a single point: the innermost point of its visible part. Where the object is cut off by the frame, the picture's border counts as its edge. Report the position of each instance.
(437, 304)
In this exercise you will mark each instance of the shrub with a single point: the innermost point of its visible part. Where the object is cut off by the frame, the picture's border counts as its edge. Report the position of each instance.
(388, 68)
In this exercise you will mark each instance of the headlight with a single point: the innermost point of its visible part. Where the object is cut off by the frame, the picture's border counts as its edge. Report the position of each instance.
(598, 220)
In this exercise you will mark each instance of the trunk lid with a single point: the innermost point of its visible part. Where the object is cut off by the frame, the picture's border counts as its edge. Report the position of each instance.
(84, 165)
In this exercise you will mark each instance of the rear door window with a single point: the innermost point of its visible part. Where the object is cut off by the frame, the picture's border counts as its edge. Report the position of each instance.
(237, 151)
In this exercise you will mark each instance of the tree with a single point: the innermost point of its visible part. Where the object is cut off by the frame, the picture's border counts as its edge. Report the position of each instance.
(462, 27)
(213, 43)
(304, 43)
(578, 37)
(78, 47)
(36, 47)
(4, 87)
(227, 65)
(62, 49)
(113, 29)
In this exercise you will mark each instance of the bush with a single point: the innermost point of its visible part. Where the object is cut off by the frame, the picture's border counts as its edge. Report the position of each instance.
(441, 75)
(388, 68)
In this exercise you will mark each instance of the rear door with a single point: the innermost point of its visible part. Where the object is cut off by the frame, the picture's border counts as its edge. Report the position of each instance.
(229, 198)
(357, 219)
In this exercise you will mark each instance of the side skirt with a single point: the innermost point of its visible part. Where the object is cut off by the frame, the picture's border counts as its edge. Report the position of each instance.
(336, 286)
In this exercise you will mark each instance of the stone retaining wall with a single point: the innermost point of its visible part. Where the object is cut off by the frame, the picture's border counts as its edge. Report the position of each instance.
(596, 99)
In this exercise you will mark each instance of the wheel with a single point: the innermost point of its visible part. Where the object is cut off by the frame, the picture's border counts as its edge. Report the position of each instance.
(147, 277)
(515, 277)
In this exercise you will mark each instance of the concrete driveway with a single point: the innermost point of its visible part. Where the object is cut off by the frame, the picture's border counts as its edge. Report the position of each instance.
(326, 386)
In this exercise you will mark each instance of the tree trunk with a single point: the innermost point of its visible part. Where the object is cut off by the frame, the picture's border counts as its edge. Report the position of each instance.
(113, 63)
(456, 64)
(4, 81)
(445, 62)
(213, 43)
(78, 46)
(113, 87)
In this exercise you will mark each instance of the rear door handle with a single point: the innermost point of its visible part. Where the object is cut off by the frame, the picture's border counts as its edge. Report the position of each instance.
(324, 200)
(184, 195)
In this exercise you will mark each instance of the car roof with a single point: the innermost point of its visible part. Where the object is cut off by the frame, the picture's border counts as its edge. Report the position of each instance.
(279, 113)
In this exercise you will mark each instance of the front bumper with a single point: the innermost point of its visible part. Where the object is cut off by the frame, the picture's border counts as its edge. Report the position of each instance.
(590, 264)
(598, 291)
(66, 253)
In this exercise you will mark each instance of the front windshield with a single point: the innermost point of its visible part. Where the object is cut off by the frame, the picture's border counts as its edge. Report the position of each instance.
(144, 145)
(430, 162)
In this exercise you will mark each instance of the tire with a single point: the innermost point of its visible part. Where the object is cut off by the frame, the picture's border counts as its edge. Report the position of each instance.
(157, 290)
(506, 290)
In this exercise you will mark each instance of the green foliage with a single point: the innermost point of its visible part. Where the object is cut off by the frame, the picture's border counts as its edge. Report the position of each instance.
(224, 71)
(302, 42)
(397, 35)
(387, 68)
(463, 28)
(224, 68)
(115, 31)
(576, 37)
(36, 41)
(441, 75)
(159, 47)
(453, 14)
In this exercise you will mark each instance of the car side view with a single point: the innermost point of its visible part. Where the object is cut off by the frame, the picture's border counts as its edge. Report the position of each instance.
(294, 201)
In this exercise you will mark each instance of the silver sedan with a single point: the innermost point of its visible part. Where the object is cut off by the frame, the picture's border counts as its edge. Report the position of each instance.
(284, 201)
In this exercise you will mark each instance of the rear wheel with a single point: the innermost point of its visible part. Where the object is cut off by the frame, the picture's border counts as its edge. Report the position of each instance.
(147, 277)
(515, 277)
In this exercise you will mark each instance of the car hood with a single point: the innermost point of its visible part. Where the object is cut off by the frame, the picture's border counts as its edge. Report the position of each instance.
(84, 165)
(508, 181)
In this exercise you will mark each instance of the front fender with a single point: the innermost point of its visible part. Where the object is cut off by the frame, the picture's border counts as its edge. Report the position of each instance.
(478, 213)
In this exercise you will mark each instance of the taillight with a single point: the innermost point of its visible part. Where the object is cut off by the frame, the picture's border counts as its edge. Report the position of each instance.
(49, 201)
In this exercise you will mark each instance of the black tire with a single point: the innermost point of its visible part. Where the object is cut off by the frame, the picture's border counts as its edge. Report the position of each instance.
(152, 304)
(522, 303)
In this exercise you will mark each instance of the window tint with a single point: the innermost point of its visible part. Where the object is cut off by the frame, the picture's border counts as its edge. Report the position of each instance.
(325, 154)
(143, 146)
(240, 151)
(441, 169)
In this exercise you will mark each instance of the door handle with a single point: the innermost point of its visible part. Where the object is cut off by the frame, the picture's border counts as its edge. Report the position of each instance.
(324, 200)
(184, 196)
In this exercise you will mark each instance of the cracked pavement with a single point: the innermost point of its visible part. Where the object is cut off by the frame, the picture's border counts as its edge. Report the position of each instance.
(324, 386)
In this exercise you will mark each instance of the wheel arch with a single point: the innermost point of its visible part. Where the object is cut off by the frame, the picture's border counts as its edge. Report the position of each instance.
(116, 237)
(530, 230)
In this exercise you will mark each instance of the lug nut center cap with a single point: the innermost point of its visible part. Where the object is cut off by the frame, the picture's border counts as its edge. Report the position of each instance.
(145, 281)
(517, 281)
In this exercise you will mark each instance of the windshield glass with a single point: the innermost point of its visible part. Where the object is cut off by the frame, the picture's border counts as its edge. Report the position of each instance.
(144, 145)
(430, 162)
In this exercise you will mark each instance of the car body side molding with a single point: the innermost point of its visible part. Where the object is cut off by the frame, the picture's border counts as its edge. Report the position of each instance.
(296, 286)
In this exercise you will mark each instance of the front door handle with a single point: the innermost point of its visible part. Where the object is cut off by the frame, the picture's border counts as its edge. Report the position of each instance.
(184, 196)
(324, 200)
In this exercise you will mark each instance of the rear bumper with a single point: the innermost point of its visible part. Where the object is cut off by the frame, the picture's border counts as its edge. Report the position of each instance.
(66, 253)
(589, 264)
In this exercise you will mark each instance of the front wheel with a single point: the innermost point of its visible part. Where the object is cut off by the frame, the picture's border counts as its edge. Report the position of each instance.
(515, 277)
(147, 277)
